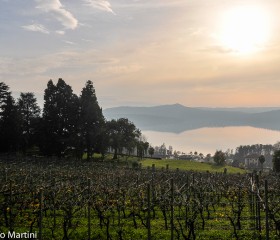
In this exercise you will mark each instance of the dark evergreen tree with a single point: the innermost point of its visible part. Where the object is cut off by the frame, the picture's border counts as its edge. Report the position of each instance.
(49, 127)
(29, 113)
(91, 118)
(4, 93)
(103, 140)
(9, 137)
(276, 161)
(262, 160)
(59, 118)
(8, 120)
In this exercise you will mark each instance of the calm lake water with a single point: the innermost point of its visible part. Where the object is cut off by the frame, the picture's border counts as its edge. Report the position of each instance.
(208, 140)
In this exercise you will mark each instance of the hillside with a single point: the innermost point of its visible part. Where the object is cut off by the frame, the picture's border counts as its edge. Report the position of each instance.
(190, 166)
(178, 118)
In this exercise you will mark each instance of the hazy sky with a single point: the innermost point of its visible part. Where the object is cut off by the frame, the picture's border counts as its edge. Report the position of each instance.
(145, 52)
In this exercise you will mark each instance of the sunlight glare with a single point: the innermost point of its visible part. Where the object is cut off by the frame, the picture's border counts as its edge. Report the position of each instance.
(245, 29)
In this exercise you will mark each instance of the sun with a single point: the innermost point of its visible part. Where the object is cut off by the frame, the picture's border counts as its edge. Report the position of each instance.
(245, 29)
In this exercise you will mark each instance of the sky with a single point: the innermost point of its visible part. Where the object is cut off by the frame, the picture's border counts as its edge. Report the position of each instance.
(218, 53)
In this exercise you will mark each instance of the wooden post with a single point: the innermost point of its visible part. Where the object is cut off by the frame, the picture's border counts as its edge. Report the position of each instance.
(137, 180)
(41, 214)
(89, 219)
(257, 205)
(266, 210)
(149, 212)
(187, 182)
(193, 179)
(54, 198)
(172, 209)
(153, 188)
(6, 174)
(10, 206)
(258, 213)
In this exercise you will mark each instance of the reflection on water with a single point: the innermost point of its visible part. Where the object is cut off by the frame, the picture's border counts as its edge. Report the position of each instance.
(208, 140)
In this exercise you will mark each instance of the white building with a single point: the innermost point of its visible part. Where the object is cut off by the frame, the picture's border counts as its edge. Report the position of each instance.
(252, 161)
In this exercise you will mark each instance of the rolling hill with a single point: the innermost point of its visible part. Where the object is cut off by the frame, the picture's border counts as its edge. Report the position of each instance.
(178, 118)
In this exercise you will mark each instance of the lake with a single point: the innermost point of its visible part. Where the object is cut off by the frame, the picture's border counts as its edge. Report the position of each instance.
(208, 140)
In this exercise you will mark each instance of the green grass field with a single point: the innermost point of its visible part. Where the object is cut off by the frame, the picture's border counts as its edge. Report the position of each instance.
(173, 164)
(189, 165)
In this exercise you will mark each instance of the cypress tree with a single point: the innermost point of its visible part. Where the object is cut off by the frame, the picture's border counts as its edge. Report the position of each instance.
(91, 118)
(59, 117)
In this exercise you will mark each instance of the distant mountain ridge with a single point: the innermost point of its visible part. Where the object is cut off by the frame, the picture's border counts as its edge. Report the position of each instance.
(178, 118)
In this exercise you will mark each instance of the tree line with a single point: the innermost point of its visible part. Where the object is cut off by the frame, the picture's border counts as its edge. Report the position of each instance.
(67, 125)
(266, 153)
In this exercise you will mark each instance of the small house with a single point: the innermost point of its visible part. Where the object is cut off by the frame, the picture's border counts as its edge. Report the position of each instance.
(252, 161)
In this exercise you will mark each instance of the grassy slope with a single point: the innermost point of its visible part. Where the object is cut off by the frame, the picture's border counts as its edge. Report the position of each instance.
(174, 164)
(189, 165)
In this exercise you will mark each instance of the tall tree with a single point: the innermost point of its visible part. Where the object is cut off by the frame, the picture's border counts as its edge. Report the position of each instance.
(49, 130)
(59, 117)
(142, 148)
(276, 161)
(9, 127)
(122, 134)
(91, 118)
(262, 160)
(8, 120)
(219, 158)
(103, 140)
(152, 151)
(4, 94)
(29, 112)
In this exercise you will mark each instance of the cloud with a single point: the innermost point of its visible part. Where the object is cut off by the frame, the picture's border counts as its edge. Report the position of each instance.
(152, 4)
(53, 62)
(60, 32)
(121, 69)
(36, 28)
(217, 49)
(100, 4)
(69, 42)
(87, 40)
(59, 12)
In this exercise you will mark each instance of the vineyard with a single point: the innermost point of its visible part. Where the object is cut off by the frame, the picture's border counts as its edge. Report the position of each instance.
(67, 199)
